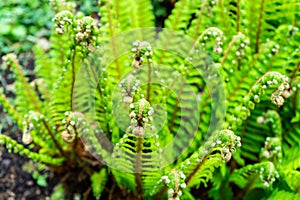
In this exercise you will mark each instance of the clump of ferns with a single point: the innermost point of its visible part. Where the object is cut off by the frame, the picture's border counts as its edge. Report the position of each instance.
(51, 142)
(52, 128)
(187, 174)
(51, 131)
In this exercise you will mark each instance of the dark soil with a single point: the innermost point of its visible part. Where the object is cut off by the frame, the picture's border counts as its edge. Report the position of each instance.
(17, 184)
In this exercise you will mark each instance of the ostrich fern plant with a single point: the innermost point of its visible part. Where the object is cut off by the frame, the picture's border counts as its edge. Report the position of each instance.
(161, 113)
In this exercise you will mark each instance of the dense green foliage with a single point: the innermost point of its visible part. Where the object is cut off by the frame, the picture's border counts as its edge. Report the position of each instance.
(253, 153)
(22, 24)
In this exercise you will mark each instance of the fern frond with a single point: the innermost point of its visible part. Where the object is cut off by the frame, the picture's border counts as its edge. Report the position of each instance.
(138, 151)
(13, 146)
(108, 30)
(259, 175)
(291, 131)
(7, 107)
(141, 17)
(181, 14)
(282, 194)
(291, 159)
(23, 88)
(45, 67)
(258, 93)
(292, 178)
(98, 182)
(262, 19)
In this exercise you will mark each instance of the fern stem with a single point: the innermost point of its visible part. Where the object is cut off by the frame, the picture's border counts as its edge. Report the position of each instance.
(229, 48)
(149, 81)
(62, 54)
(141, 20)
(176, 184)
(111, 28)
(295, 102)
(259, 80)
(199, 20)
(258, 30)
(54, 140)
(160, 194)
(46, 92)
(173, 28)
(73, 76)
(295, 125)
(75, 140)
(178, 16)
(117, 7)
(238, 15)
(239, 64)
(295, 15)
(223, 15)
(28, 88)
(202, 34)
(244, 192)
(110, 196)
(191, 175)
(294, 72)
(138, 168)
(202, 113)
(176, 108)
(297, 190)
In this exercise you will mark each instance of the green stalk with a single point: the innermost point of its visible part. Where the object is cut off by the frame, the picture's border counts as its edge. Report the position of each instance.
(259, 26)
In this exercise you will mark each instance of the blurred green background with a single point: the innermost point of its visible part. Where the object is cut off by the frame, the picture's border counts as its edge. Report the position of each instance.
(23, 23)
